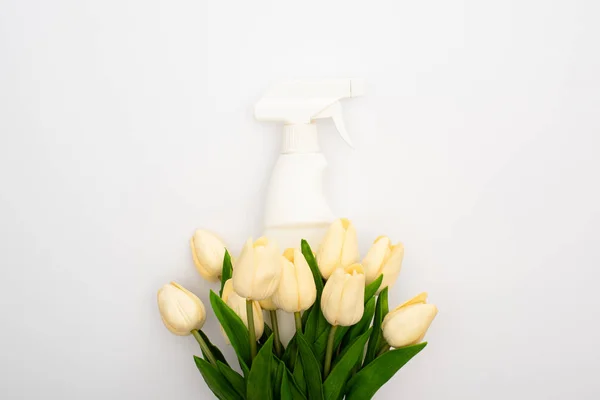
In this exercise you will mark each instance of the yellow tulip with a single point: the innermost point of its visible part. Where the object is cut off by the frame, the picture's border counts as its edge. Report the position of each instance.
(257, 270)
(383, 258)
(180, 310)
(342, 301)
(297, 290)
(208, 252)
(408, 323)
(339, 247)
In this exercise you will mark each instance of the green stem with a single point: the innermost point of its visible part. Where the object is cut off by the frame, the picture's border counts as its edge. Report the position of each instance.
(298, 319)
(329, 351)
(251, 331)
(275, 327)
(204, 347)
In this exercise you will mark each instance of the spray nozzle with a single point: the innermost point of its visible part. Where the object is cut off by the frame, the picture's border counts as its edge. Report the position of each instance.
(301, 102)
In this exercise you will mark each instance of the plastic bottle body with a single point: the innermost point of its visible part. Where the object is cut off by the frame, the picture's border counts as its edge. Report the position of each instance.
(296, 207)
(291, 235)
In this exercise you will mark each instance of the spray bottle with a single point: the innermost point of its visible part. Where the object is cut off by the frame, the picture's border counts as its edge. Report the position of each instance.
(296, 207)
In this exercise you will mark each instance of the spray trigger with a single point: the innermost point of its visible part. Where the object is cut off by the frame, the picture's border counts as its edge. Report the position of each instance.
(334, 111)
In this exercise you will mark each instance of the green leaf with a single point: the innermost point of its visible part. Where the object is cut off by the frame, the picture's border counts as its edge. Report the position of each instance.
(335, 382)
(381, 309)
(368, 380)
(299, 375)
(215, 381)
(214, 349)
(315, 321)
(290, 353)
(259, 380)
(296, 392)
(385, 308)
(305, 315)
(234, 328)
(236, 380)
(315, 325)
(363, 325)
(311, 368)
(278, 371)
(312, 263)
(245, 369)
(267, 332)
(372, 288)
(286, 391)
(227, 271)
(320, 345)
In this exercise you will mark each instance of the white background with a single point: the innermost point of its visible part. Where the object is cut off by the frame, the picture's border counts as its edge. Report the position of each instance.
(125, 125)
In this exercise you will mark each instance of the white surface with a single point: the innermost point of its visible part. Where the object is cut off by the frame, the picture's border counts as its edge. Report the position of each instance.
(127, 124)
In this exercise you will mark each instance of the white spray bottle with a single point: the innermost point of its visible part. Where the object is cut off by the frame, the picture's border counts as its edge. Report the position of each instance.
(296, 207)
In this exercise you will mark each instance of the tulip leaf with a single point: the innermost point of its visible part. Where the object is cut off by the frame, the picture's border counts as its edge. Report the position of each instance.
(259, 380)
(267, 332)
(227, 271)
(234, 328)
(368, 380)
(285, 390)
(363, 325)
(316, 325)
(312, 263)
(333, 387)
(299, 375)
(244, 367)
(278, 372)
(296, 392)
(381, 309)
(290, 353)
(216, 381)
(315, 321)
(213, 349)
(306, 314)
(372, 288)
(236, 380)
(311, 369)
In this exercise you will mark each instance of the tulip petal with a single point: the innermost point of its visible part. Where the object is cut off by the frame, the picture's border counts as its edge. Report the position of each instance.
(408, 325)
(375, 258)
(421, 298)
(286, 295)
(208, 251)
(307, 290)
(350, 254)
(328, 256)
(393, 265)
(243, 273)
(352, 304)
(181, 311)
(332, 296)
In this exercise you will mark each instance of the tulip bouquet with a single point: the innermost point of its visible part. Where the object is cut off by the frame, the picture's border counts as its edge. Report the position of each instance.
(347, 342)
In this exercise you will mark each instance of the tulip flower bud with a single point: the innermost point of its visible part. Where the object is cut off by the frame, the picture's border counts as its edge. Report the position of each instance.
(407, 324)
(180, 310)
(383, 258)
(238, 305)
(258, 270)
(208, 252)
(339, 247)
(297, 290)
(343, 296)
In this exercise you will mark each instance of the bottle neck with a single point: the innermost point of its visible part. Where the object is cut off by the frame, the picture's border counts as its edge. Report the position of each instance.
(300, 138)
